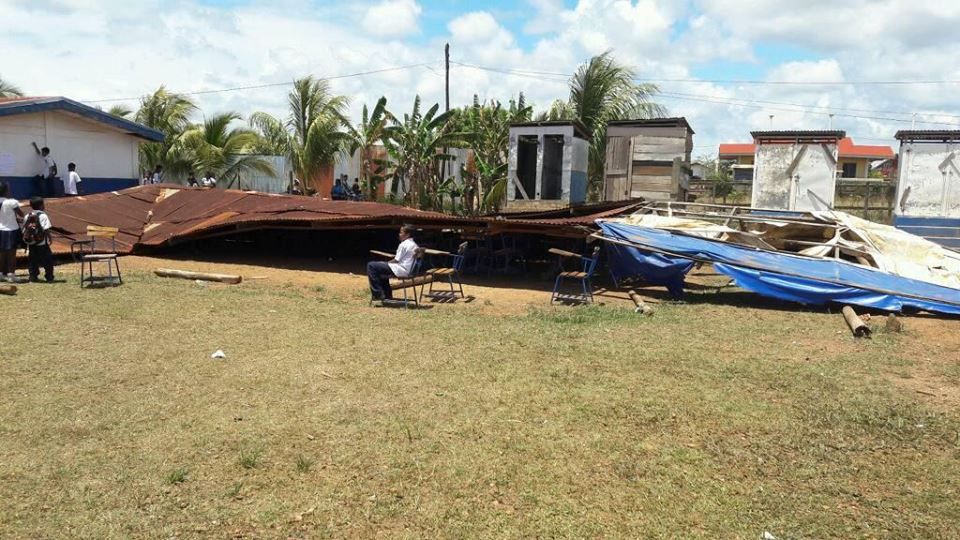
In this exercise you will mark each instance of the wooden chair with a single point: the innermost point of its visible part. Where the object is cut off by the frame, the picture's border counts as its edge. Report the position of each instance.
(414, 280)
(450, 274)
(94, 250)
(588, 265)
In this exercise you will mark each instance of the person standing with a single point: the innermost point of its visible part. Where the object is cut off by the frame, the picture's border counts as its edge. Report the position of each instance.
(157, 175)
(379, 272)
(209, 180)
(71, 184)
(48, 171)
(36, 234)
(9, 233)
(192, 180)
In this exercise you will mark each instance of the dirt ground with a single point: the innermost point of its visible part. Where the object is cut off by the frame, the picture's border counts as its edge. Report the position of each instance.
(936, 347)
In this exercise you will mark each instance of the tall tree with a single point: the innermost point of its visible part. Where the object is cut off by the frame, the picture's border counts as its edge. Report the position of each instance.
(416, 145)
(121, 111)
(363, 137)
(168, 113)
(224, 150)
(314, 127)
(600, 91)
(9, 90)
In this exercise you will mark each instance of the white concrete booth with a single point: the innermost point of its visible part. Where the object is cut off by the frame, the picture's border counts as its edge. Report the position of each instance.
(795, 170)
(104, 147)
(547, 165)
(928, 186)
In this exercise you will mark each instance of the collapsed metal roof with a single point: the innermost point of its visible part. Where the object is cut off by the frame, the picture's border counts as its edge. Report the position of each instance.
(166, 214)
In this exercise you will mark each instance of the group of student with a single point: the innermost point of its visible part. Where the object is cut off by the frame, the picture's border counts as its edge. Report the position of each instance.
(341, 192)
(209, 180)
(49, 174)
(31, 229)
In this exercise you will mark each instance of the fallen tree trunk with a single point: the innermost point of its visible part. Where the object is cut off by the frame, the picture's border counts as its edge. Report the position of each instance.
(8, 289)
(184, 274)
(642, 307)
(856, 324)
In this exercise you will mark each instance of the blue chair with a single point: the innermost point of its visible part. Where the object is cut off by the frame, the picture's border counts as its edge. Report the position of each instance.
(450, 274)
(588, 265)
(416, 279)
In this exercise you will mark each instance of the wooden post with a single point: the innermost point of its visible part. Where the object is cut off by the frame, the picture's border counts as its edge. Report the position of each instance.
(9, 290)
(642, 307)
(856, 324)
(184, 274)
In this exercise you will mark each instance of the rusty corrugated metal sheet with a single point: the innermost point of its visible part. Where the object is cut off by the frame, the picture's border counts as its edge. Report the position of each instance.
(159, 215)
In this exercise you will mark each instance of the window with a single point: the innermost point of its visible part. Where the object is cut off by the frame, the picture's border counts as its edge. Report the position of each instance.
(849, 170)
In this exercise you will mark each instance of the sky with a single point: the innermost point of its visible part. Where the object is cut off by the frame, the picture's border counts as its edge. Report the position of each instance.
(726, 65)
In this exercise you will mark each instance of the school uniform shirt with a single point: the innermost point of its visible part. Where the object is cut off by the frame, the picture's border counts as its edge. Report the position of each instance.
(48, 165)
(208, 182)
(8, 216)
(44, 224)
(156, 179)
(71, 182)
(405, 257)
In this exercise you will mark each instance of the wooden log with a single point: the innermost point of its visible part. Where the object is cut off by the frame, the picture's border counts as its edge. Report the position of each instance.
(856, 324)
(185, 274)
(9, 290)
(642, 307)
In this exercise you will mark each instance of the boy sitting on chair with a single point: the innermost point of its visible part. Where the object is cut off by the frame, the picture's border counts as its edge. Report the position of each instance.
(401, 265)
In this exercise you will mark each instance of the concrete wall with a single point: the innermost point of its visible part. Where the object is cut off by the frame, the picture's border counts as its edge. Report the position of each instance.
(575, 159)
(777, 186)
(106, 159)
(931, 171)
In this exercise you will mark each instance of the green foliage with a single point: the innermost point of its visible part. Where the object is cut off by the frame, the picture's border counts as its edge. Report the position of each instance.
(215, 146)
(177, 476)
(487, 126)
(311, 135)
(417, 145)
(250, 457)
(170, 114)
(9, 90)
(370, 131)
(603, 90)
(304, 463)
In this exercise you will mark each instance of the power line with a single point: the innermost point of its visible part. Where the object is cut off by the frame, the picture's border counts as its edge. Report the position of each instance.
(520, 72)
(744, 102)
(270, 85)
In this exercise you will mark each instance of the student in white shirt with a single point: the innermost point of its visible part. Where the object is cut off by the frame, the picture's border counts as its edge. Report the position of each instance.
(71, 184)
(9, 233)
(36, 234)
(379, 272)
(208, 180)
(157, 175)
(48, 170)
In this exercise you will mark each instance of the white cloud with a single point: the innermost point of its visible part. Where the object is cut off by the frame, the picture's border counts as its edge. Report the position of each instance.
(114, 48)
(392, 18)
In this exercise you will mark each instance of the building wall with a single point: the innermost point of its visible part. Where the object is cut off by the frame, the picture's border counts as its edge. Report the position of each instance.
(931, 172)
(106, 159)
(574, 163)
(778, 187)
(863, 166)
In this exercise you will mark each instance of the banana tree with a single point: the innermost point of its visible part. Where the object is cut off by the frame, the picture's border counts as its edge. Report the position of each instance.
(371, 130)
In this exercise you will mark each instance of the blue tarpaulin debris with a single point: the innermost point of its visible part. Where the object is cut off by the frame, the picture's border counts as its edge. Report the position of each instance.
(668, 256)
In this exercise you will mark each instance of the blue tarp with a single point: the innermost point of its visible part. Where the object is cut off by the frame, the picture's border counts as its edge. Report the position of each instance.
(778, 275)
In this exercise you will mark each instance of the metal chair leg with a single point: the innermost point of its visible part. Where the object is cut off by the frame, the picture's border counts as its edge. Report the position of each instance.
(556, 287)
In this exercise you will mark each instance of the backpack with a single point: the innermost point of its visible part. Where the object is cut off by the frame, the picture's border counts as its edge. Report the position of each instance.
(33, 232)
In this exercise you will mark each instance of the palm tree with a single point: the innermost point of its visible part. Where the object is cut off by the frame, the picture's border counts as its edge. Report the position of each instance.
(120, 111)
(417, 147)
(603, 90)
(215, 146)
(371, 130)
(168, 113)
(9, 90)
(313, 129)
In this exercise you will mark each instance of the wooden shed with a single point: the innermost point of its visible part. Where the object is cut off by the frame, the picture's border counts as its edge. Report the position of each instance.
(648, 158)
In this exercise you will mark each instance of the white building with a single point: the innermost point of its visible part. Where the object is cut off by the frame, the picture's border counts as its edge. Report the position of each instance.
(104, 147)
(928, 189)
(547, 165)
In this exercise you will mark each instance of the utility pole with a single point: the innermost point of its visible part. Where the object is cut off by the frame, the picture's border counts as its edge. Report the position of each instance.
(771, 122)
(446, 55)
(831, 122)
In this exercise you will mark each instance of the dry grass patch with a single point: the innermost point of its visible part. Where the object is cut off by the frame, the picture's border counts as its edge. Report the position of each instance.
(328, 418)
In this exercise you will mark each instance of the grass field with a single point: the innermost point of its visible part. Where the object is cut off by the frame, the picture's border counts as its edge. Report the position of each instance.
(495, 419)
